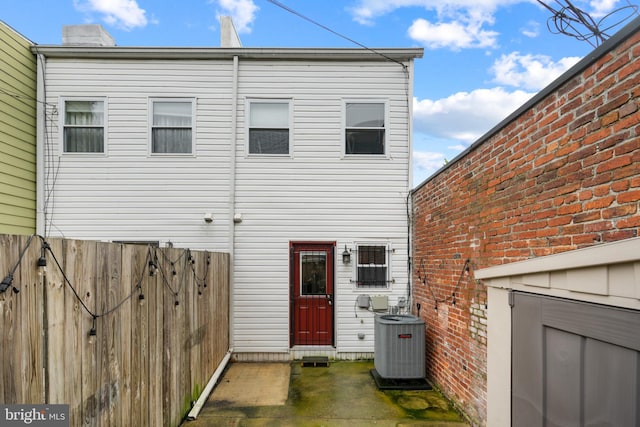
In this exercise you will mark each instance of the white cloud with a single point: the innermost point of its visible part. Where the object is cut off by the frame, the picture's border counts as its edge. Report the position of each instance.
(466, 116)
(454, 24)
(427, 162)
(366, 11)
(243, 13)
(455, 35)
(532, 72)
(532, 30)
(125, 14)
(602, 7)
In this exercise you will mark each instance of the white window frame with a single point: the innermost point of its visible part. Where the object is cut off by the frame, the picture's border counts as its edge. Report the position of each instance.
(385, 103)
(63, 125)
(388, 250)
(152, 102)
(248, 103)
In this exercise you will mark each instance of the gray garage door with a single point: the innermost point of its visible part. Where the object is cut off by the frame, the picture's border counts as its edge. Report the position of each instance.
(574, 363)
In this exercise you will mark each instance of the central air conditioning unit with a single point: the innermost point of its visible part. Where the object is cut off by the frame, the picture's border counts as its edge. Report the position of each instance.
(399, 346)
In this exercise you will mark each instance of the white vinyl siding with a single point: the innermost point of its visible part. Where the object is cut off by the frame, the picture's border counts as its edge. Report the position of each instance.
(129, 195)
(318, 195)
(315, 193)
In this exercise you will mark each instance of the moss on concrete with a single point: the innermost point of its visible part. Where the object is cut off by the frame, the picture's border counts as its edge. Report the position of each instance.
(343, 394)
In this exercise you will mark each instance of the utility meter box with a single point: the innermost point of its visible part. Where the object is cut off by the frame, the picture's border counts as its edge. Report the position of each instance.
(379, 302)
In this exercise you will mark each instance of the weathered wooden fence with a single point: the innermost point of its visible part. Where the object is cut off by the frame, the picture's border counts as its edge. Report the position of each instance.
(124, 334)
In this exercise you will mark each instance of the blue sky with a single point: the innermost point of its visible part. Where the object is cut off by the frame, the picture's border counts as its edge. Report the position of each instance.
(482, 60)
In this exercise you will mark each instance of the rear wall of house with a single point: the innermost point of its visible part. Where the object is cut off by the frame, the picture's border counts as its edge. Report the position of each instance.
(564, 174)
(315, 194)
(17, 134)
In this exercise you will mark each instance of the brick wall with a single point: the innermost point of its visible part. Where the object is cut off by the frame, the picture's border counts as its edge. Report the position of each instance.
(562, 174)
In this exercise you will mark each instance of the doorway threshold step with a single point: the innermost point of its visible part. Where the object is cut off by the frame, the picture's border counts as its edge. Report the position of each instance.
(315, 361)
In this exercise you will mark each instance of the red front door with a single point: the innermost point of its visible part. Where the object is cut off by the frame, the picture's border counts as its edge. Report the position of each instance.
(312, 293)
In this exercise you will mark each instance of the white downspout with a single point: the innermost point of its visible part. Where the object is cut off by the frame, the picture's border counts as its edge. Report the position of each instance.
(410, 88)
(197, 407)
(232, 195)
(41, 132)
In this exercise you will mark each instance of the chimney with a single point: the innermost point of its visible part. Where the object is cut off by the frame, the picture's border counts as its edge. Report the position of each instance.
(86, 35)
(228, 34)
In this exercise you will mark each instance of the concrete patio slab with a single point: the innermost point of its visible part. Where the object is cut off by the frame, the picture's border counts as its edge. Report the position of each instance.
(253, 384)
(342, 394)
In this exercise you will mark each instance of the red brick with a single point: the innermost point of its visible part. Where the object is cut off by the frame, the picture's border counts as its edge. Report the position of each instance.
(598, 226)
(609, 118)
(620, 186)
(629, 196)
(629, 222)
(629, 108)
(570, 209)
(586, 216)
(586, 239)
(619, 235)
(585, 195)
(605, 202)
(619, 211)
(614, 163)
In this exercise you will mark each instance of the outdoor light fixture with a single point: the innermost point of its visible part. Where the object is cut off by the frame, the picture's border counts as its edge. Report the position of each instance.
(346, 255)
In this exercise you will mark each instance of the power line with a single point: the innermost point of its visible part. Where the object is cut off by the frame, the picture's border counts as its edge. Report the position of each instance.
(324, 27)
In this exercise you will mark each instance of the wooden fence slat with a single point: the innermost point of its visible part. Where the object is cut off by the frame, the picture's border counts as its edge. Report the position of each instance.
(31, 293)
(130, 373)
(74, 332)
(87, 273)
(9, 302)
(149, 357)
(56, 331)
(155, 292)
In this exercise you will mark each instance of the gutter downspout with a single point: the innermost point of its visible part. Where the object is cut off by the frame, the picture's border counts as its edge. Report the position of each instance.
(41, 130)
(197, 407)
(232, 194)
(409, 190)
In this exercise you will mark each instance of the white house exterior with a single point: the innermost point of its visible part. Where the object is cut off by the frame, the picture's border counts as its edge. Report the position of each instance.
(152, 145)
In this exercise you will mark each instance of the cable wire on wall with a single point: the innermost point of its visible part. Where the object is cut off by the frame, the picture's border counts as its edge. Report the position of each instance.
(422, 276)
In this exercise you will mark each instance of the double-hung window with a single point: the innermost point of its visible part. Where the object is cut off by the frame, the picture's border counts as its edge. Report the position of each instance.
(372, 268)
(84, 126)
(364, 127)
(269, 127)
(172, 126)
